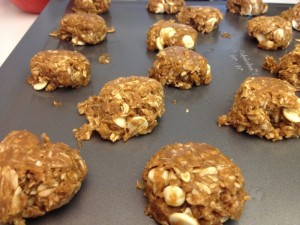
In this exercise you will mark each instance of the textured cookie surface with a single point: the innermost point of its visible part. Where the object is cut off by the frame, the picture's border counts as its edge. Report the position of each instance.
(58, 68)
(124, 108)
(81, 28)
(165, 33)
(180, 67)
(36, 177)
(266, 107)
(203, 19)
(292, 15)
(193, 183)
(247, 7)
(271, 32)
(91, 6)
(162, 6)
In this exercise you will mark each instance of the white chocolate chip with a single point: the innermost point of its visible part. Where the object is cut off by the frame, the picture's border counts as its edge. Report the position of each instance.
(261, 37)
(121, 122)
(40, 86)
(159, 43)
(174, 196)
(212, 21)
(182, 218)
(167, 31)
(208, 70)
(160, 8)
(292, 114)
(188, 41)
(153, 174)
(270, 44)
(279, 33)
(295, 24)
(224, 219)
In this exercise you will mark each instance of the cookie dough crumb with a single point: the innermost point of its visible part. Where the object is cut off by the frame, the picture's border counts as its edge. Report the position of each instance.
(288, 67)
(226, 35)
(193, 183)
(139, 185)
(57, 103)
(247, 7)
(266, 107)
(111, 29)
(203, 19)
(174, 101)
(104, 58)
(271, 32)
(125, 107)
(162, 6)
(91, 6)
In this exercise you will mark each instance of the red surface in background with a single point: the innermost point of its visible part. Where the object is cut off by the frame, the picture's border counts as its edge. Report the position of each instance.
(31, 6)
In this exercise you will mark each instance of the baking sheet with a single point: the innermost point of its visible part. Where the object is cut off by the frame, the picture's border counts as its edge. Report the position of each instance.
(108, 195)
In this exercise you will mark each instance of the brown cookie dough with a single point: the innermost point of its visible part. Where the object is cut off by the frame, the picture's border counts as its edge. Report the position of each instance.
(292, 15)
(36, 177)
(168, 33)
(124, 108)
(203, 19)
(193, 183)
(81, 28)
(266, 107)
(271, 32)
(91, 6)
(180, 67)
(247, 7)
(165, 6)
(58, 68)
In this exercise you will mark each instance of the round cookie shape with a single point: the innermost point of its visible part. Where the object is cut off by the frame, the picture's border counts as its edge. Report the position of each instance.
(271, 32)
(91, 6)
(193, 183)
(36, 177)
(180, 67)
(203, 19)
(165, 33)
(266, 107)
(125, 107)
(247, 7)
(58, 68)
(288, 67)
(292, 15)
(163, 6)
(81, 28)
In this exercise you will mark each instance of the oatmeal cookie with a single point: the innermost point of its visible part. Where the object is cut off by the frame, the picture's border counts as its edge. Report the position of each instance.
(292, 15)
(91, 6)
(58, 68)
(288, 67)
(81, 28)
(203, 19)
(247, 7)
(271, 32)
(180, 67)
(36, 177)
(165, 6)
(193, 183)
(266, 107)
(124, 108)
(166, 33)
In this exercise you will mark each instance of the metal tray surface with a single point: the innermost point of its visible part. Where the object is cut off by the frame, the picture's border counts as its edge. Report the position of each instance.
(109, 195)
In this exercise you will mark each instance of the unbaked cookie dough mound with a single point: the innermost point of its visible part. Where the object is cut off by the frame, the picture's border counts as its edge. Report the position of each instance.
(271, 32)
(180, 67)
(81, 28)
(292, 15)
(247, 7)
(58, 68)
(165, 33)
(124, 108)
(165, 6)
(36, 177)
(266, 107)
(203, 19)
(288, 67)
(91, 6)
(194, 184)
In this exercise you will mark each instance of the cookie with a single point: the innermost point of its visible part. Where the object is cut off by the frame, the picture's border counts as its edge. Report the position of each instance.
(288, 67)
(193, 183)
(162, 6)
(165, 33)
(180, 67)
(59, 68)
(266, 107)
(247, 7)
(203, 19)
(91, 6)
(271, 32)
(81, 28)
(36, 177)
(124, 108)
(292, 15)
